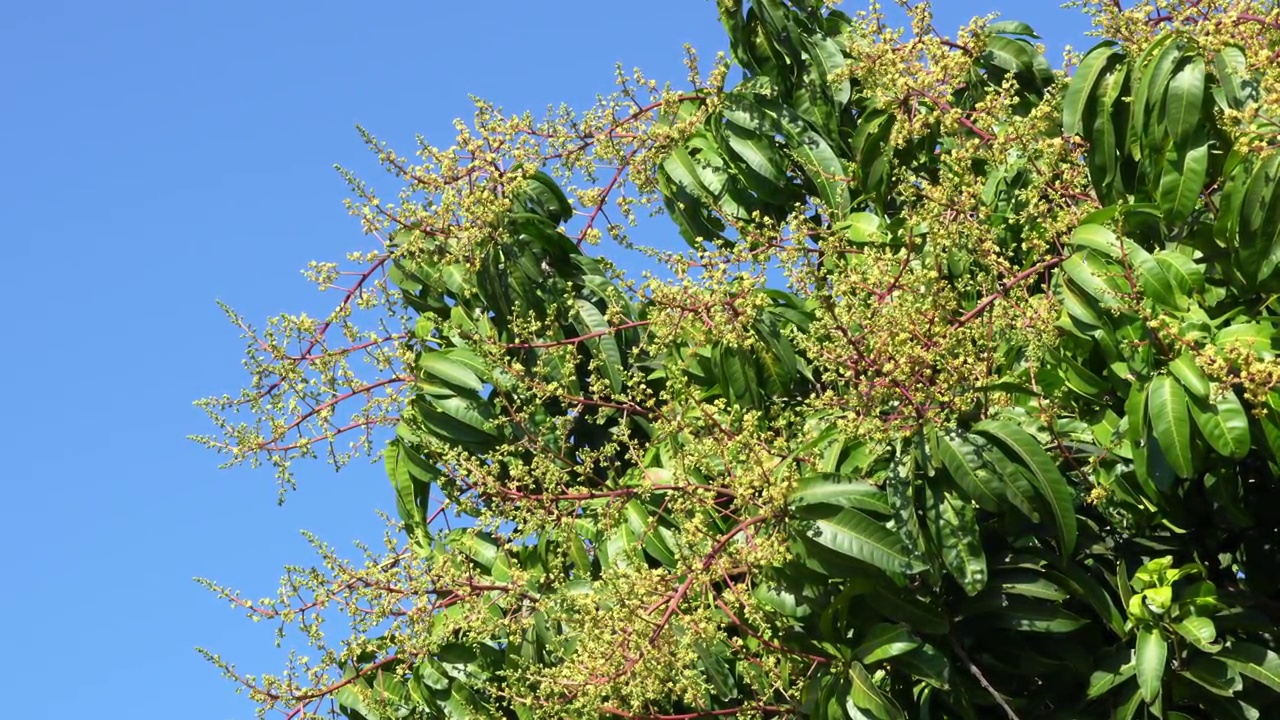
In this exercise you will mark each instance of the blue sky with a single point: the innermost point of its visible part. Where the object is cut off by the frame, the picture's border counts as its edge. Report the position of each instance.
(159, 156)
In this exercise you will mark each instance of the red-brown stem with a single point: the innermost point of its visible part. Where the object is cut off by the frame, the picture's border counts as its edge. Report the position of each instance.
(1013, 282)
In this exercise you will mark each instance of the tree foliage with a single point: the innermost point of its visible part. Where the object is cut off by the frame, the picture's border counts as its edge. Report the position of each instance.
(962, 402)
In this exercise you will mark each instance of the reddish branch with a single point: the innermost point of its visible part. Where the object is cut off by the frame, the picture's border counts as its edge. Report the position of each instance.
(580, 338)
(707, 562)
(1013, 282)
(304, 417)
(347, 299)
(604, 196)
(766, 709)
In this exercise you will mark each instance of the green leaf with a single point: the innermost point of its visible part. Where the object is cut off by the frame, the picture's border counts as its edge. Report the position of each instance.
(1080, 89)
(452, 420)
(1224, 424)
(717, 671)
(884, 641)
(864, 695)
(823, 166)
(906, 608)
(1253, 661)
(1104, 148)
(1018, 488)
(1077, 580)
(1037, 618)
(760, 153)
(1200, 632)
(1184, 100)
(1089, 272)
(1014, 56)
(691, 214)
(956, 534)
(1150, 656)
(484, 550)
(1190, 375)
(1153, 280)
(1182, 182)
(1044, 472)
(963, 461)
(650, 533)
(1257, 230)
(927, 663)
(833, 489)
(1214, 675)
(603, 344)
(1231, 68)
(1029, 583)
(1171, 424)
(1011, 27)
(1148, 83)
(1128, 708)
(1186, 274)
(1139, 437)
(440, 366)
(827, 58)
(851, 533)
(1113, 670)
(411, 496)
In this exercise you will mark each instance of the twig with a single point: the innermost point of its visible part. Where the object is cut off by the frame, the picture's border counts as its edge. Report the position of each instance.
(982, 680)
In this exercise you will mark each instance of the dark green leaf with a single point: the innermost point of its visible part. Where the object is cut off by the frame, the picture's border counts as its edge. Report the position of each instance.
(1080, 90)
(1044, 472)
(1171, 424)
(852, 533)
(1184, 100)
(1253, 661)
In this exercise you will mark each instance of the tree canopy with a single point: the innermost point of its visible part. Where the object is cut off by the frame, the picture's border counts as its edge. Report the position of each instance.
(962, 401)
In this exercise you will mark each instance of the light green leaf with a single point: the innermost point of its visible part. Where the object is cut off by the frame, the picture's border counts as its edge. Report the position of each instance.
(884, 641)
(439, 365)
(1200, 632)
(1150, 657)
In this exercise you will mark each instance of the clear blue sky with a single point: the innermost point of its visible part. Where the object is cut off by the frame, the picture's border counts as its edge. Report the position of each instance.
(158, 156)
